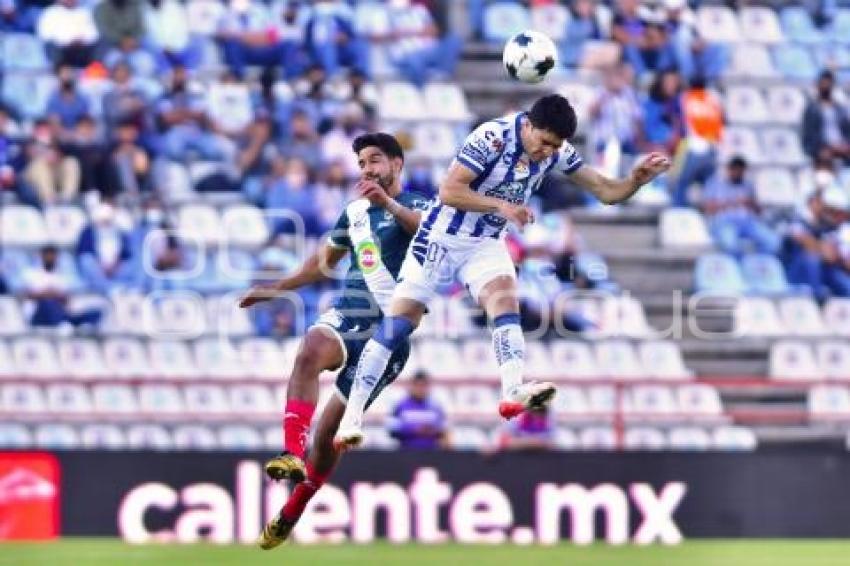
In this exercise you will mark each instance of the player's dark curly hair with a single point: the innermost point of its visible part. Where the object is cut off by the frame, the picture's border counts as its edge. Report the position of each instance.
(554, 113)
(385, 142)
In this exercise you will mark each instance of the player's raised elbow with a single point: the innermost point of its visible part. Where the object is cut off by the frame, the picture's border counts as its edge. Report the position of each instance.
(448, 195)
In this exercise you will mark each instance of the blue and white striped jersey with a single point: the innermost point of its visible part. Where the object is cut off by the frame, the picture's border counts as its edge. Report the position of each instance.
(494, 152)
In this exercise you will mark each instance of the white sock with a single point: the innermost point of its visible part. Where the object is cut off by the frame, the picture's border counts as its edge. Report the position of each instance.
(373, 362)
(509, 344)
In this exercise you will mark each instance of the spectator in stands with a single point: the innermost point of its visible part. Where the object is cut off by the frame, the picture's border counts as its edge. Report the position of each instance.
(583, 26)
(652, 53)
(363, 92)
(53, 174)
(124, 102)
(694, 56)
(616, 114)
(229, 109)
(128, 168)
(420, 180)
(418, 422)
(14, 19)
(49, 288)
(85, 144)
(4, 287)
(336, 144)
(663, 123)
(119, 19)
(66, 105)
(289, 189)
(167, 29)
(729, 204)
(103, 252)
(627, 26)
(703, 116)
(332, 193)
(826, 124)
(314, 99)
(331, 40)
(13, 161)
(142, 62)
(532, 430)
(279, 317)
(69, 31)
(248, 36)
(304, 141)
(158, 251)
(414, 44)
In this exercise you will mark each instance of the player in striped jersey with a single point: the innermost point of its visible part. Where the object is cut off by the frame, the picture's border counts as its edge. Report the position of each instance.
(488, 184)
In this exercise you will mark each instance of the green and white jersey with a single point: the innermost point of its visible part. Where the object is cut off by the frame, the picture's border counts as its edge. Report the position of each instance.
(378, 245)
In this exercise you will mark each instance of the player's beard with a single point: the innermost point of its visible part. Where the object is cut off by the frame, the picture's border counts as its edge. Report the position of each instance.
(385, 181)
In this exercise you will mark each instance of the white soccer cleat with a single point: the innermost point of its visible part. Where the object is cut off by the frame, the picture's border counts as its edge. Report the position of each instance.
(349, 434)
(526, 396)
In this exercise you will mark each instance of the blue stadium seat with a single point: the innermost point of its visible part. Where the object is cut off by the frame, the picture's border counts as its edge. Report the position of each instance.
(28, 93)
(798, 26)
(718, 273)
(504, 19)
(22, 52)
(839, 28)
(794, 62)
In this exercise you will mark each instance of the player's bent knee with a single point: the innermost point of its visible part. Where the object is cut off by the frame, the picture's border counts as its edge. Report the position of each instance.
(393, 331)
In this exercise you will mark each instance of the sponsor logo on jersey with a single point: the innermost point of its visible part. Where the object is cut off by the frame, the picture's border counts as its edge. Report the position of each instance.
(368, 257)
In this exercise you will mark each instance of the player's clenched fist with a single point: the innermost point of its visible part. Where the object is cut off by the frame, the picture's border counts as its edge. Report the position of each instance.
(649, 168)
(518, 214)
(371, 190)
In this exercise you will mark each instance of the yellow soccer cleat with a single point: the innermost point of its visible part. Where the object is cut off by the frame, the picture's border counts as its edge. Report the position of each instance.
(286, 466)
(275, 533)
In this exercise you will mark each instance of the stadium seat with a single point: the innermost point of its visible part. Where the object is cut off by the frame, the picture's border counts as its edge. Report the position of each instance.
(12, 321)
(793, 360)
(200, 223)
(745, 105)
(751, 61)
(798, 26)
(218, 358)
(206, 400)
(538, 361)
(573, 360)
(478, 358)
(172, 359)
(829, 402)
(81, 358)
(22, 226)
(581, 97)
(262, 358)
(836, 316)
(597, 438)
(244, 226)
(782, 147)
(565, 439)
(802, 316)
(446, 101)
(469, 438)
(504, 19)
(683, 227)
(760, 24)
(103, 436)
(132, 313)
(234, 269)
(742, 141)
(698, 400)
(757, 316)
(775, 187)
(148, 437)
(599, 55)
(570, 402)
(36, 357)
(273, 437)
(445, 359)
(624, 316)
(644, 438)
(434, 140)
(735, 438)
(833, 357)
(56, 437)
(28, 93)
(239, 437)
(718, 24)
(378, 438)
(649, 402)
(663, 359)
(194, 437)
(839, 27)
(251, 399)
(125, 358)
(689, 438)
(68, 399)
(15, 436)
(764, 275)
(552, 20)
(617, 359)
(231, 105)
(794, 62)
(14, 262)
(602, 401)
(160, 400)
(203, 16)
(718, 274)
(179, 315)
(785, 104)
(8, 368)
(401, 101)
(114, 399)
(64, 224)
(22, 52)
(477, 401)
(22, 398)
(442, 395)
(831, 56)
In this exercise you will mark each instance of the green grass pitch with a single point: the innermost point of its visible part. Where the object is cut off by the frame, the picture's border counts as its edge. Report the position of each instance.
(108, 552)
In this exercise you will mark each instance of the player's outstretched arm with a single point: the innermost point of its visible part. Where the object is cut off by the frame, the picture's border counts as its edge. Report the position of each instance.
(455, 191)
(612, 191)
(317, 268)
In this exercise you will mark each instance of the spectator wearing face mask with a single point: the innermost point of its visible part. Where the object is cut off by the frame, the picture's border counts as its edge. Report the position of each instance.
(826, 124)
(103, 252)
(54, 175)
(49, 288)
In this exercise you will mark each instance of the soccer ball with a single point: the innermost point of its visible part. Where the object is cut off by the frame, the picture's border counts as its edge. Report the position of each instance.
(529, 56)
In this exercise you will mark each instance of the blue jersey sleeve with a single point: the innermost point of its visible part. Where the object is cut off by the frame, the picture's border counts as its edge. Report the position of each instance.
(569, 160)
(338, 237)
(483, 146)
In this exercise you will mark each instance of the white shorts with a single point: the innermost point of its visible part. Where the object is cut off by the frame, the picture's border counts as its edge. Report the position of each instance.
(473, 261)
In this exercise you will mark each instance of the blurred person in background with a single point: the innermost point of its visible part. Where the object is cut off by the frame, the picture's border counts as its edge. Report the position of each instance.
(332, 192)
(289, 189)
(826, 123)
(103, 252)
(697, 155)
(694, 56)
(627, 25)
(129, 165)
(336, 144)
(167, 29)
(119, 19)
(533, 430)
(331, 40)
(420, 180)
(49, 288)
(663, 123)
(729, 204)
(616, 116)
(70, 33)
(66, 104)
(303, 141)
(584, 26)
(417, 421)
(810, 253)
(124, 101)
(16, 19)
(652, 53)
(143, 61)
(54, 175)
(13, 162)
(86, 144)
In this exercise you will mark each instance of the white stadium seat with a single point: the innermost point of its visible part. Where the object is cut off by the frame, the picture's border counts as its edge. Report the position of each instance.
(160, 400)
(239, 437)
(217, 357)
(103, 436)
(782, 147)
(12, 320)
(244, 226)
(469, 438)
(760, 24)
(794, 360)
(802, 316)
(743, 141)
(26, 398)
(570, 402)
(178, 315)
(132, 314)
(36, 357)
(68, 399)
(114, 399)
(199, 223)
(81, 358)
(479, 359)
(718, 24)
(148, 437)
(565, 439)
(776, 186)
(22, 226)
(698, 400)
(833, 357)
(125, 358)
(624, 316)
(476, 400)
(13, 436)
(172, 359)
(445, 360)
(829, 402)
(663, 359)
(689, 438)
(8, 367)
(644, 438)
(434, 140)
(732, 437)
(401, 101)
(836, 316)
(647, 402)
(757, 316)
(225, 318)
(751, 61)
(745, 105)
(206, 400)
(56, 436)
(64, 224)
(573, 360)
(262, 358)
(617, 358)
(551, 19)
(597, 438)
(252, 399)
(446, 101)
(194, 437)
(786, 104)
(683, 227)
